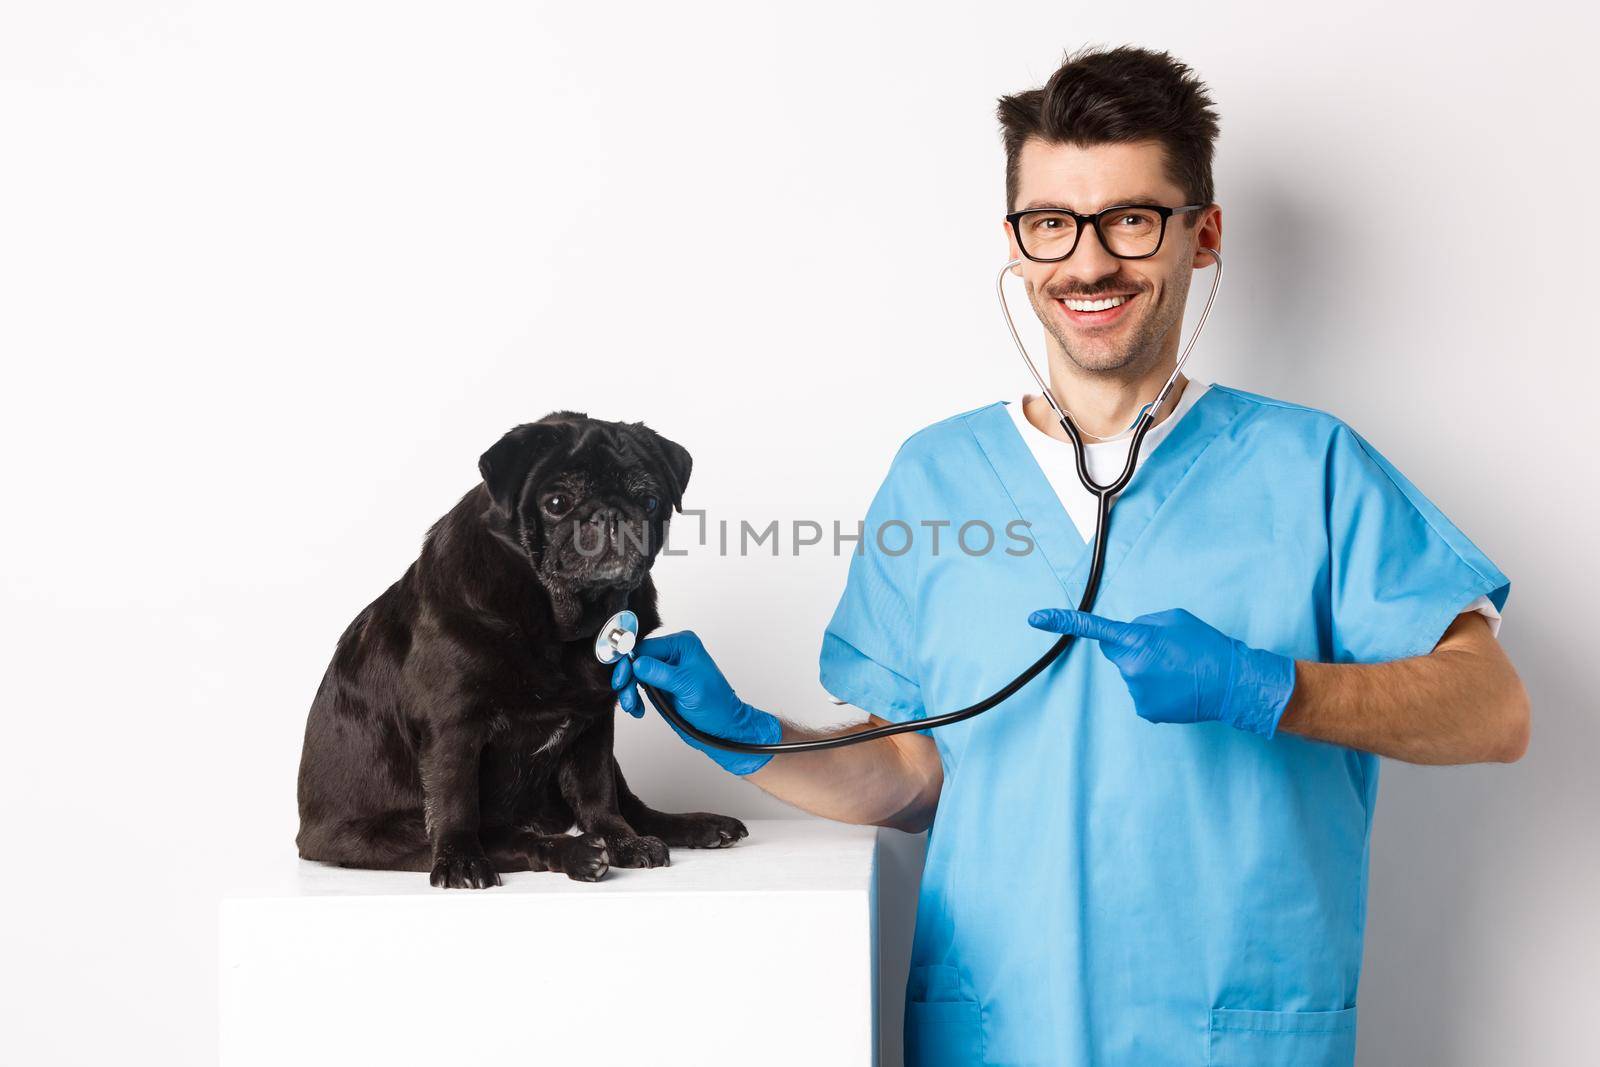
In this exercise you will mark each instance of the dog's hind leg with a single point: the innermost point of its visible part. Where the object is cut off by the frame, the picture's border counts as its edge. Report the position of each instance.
(693, 829)
(392, 841)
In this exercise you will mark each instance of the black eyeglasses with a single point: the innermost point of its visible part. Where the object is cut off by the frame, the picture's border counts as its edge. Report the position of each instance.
(1050, 234)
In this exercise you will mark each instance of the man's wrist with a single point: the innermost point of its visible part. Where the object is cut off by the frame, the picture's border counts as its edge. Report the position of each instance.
(1259, 690)
(756, 727)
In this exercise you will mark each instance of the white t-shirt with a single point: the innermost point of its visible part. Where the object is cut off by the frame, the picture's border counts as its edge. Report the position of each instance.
(1105, 459)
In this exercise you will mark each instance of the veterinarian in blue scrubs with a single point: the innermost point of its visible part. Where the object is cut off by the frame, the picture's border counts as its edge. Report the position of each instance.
(1104, 889)
(1156, 852)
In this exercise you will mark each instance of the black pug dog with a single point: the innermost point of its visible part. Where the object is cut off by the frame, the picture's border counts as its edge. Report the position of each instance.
(464, 724)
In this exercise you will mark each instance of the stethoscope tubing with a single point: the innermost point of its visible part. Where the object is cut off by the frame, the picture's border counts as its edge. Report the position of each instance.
(1102, 526)
(817, 744)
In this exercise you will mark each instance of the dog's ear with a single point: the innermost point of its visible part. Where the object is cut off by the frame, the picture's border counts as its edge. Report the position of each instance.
(671, 460)
(506, 466)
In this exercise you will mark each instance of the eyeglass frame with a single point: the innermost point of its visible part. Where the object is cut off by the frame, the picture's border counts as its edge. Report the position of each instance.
(1093, 220)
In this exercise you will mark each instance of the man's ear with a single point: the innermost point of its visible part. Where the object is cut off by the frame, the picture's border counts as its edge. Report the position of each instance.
(673, 461)
(505, 467)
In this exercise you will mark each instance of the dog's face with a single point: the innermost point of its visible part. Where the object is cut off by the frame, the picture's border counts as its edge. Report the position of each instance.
(586, 500)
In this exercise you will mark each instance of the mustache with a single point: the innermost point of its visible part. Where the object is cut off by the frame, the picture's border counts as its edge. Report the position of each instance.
(1095, 293)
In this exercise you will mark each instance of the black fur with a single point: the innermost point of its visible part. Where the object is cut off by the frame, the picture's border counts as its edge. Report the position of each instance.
(464, 724)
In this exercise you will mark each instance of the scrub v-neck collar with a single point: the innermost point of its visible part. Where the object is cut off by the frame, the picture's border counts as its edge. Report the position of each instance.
(1037, 503)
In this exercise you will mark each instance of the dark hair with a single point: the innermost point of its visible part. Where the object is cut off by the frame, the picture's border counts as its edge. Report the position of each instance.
(1116, 97)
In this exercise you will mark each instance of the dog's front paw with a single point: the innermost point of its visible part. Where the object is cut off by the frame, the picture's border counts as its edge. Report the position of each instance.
(585, 858)
(701, 829)
(637, 851)
(462, 865)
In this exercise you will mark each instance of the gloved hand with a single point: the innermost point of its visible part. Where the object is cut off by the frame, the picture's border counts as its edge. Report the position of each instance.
(679, 666)
(1180, 669)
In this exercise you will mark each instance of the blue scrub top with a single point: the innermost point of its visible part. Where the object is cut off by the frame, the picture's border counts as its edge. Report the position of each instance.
(1100, 889)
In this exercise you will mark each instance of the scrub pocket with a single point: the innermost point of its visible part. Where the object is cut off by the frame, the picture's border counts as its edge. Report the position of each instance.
(1281, 1038)
(942, 1027)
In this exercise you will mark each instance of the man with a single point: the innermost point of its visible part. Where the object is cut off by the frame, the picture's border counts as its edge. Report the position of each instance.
(1155, 852)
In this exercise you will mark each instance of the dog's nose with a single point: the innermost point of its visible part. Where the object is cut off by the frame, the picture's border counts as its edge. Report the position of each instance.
(607, 519)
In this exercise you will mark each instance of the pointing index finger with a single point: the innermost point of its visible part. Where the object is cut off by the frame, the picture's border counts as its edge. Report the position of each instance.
(1081, 624)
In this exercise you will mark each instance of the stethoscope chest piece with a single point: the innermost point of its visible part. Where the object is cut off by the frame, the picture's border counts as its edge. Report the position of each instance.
(617, 637)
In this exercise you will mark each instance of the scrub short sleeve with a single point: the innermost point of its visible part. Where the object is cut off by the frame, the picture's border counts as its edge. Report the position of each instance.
(867, 649)
(1400, 571)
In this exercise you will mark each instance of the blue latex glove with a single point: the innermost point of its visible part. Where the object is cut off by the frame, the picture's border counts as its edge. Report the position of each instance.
(1181, 669)
(679, 666)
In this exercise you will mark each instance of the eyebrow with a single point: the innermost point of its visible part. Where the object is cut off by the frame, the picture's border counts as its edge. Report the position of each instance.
(1130, 201)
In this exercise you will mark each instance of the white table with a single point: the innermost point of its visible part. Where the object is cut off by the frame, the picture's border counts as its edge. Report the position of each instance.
(760, 953)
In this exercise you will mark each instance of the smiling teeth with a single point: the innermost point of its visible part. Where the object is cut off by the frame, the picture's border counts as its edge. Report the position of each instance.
(1095, 305)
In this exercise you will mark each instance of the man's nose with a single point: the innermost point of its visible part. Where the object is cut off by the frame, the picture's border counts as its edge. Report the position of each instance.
(1090, 262)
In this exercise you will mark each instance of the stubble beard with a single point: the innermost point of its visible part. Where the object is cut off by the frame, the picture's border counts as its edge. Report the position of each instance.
(1142, 344)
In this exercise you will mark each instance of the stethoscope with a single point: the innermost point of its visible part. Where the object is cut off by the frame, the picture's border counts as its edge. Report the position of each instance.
(620, 632)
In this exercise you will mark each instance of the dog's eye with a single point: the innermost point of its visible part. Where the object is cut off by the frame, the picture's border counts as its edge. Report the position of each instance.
(651, 503)
(557, 504)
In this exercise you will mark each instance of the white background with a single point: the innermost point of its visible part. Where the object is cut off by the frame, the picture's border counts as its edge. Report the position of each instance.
(272, 276)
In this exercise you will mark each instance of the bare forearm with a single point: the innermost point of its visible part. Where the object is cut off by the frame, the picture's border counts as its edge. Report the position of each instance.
(885, 782)
(1461, 703)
